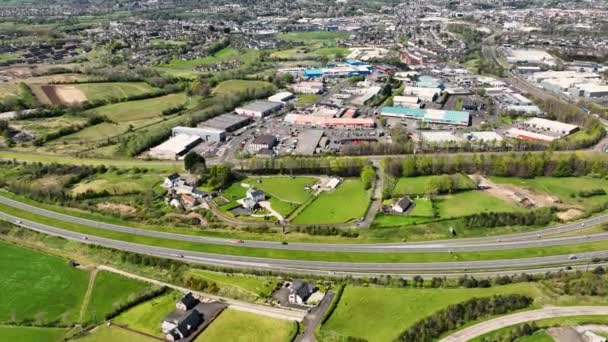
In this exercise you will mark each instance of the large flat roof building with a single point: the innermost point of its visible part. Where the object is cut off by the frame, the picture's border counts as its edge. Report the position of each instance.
(176, 147)
(448, 117)
(328, 122)
(226, 122)
(259, 108)
(208, 134)
(529, 56)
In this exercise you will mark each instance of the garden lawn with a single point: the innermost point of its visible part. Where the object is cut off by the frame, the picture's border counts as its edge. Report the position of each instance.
(314, 36)
(422, 212)
(396, 309)
(417, 185)
(259, 286)
(118, 90)
(238, 326)
(348, 202)
(146, 317)
(109, 292)
(31, 334)
(331, 51)
(564, 188)
(104, 333)
(38, 287)
(287, 189)
(471, 202)
(231, 87)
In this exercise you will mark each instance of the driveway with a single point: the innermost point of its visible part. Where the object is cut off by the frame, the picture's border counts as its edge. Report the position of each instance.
(523, 317)
(314, 317)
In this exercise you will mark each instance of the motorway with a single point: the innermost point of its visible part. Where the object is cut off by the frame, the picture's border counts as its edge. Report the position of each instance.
(540, 238)
(489, 267)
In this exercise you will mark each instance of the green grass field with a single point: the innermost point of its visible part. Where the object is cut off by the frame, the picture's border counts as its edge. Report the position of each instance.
(288, 189)
(472, 202)
(347, 203)
(117, 183)
(43, 126)
(31, 334)
(119, 90)
(331, 51)
(314, 36)
(564, 188)
(236, 86)
(400, 308)
(39, 288)
(422, 212)
(238, 326)
(133, 114)
(146, 317)
(109, 291)
(417, 185)
(115, 334)
(258, 286)
(226, 54)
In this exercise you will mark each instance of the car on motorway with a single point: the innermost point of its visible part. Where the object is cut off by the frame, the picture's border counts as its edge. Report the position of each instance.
(284, 243)
(238, 241)
(18, 222)
(85, 237)
(572, 257)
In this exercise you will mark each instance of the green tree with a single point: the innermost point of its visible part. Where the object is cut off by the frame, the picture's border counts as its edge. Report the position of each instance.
(194, 161)
(367, 176)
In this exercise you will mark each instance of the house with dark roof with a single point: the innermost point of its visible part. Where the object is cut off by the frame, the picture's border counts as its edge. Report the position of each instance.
(187, 302)
(185, 325)
(402, 205)
(300, 291)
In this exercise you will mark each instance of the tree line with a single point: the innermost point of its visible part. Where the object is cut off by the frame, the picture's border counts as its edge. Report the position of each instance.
(457, 315)
(523, 165)
(340, 166)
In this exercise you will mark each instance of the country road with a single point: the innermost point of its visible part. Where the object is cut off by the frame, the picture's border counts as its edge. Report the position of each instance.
(264, 310)
(522, 317)
(539, 238)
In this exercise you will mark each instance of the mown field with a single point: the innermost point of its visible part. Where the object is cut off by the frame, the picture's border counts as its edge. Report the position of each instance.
(238, 86)
(348, 202)
(109, 292)
(418, 185)
(115, 334)
(31, 334)
(146, 317)
(118, 90)
(38, 288)
(238, 326)
(400, 308)
(123, 116)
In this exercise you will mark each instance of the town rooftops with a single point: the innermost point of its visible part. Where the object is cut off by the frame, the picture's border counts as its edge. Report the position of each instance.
(265, 139)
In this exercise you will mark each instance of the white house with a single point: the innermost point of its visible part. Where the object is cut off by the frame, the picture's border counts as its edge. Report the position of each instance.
(402, 205)
(300, 291)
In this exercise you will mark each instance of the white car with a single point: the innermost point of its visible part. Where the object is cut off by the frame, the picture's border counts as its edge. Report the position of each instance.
(572, 257)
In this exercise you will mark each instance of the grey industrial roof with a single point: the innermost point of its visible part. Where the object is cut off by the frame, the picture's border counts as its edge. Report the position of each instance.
(308, 140)
(224, 121)
(261, 106)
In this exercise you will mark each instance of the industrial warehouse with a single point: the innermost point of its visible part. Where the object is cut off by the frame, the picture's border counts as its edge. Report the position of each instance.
(447, 117)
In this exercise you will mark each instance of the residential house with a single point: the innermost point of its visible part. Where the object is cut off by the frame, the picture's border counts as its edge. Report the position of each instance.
(171, 180)
(251, 201)
(182, 321)
(300, 291)
(402, 205)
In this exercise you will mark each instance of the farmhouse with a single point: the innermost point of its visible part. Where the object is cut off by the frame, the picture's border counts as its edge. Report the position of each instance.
(402, 205)
(252, 198)
(189, 318)
(259, 109)
(300, 291)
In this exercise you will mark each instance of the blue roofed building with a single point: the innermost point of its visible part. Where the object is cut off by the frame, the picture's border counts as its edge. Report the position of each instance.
(313, 73)
(447, 117)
